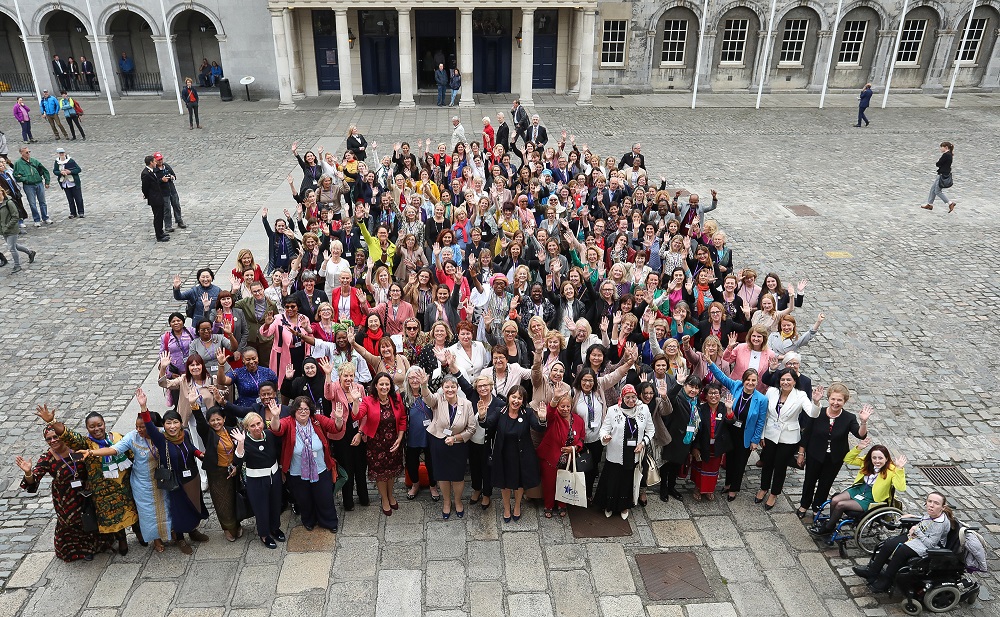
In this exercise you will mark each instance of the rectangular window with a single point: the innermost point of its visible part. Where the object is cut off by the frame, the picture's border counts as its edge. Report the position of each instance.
(909, 43)
(969, 47)
(734, 41)
(613, 42)
(793, 41)
(674, 40)
(853, 43)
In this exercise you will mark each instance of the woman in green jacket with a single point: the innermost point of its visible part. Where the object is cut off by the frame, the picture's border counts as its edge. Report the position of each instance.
(9, 230)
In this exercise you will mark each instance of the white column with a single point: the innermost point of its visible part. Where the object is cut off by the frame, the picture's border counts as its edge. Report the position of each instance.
(344, 61)
(895, 53)
(38, 56)
(587, 56)
(527, 54)
(405, 60)
(164, 52)
(821, 63)
(879, 69)
(27, 52)
(100, 61)
(281, 59)
(465, 61)
(764, 68)
(575, 36)
(294, 66)
(702, 26)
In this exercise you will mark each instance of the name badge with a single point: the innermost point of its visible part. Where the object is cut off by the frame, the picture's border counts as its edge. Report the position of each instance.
(447, 432)
(690, 429)
(594, 424)
(738, 424)
(76, 484)
(718, 417)
(427, 422)
(186, 473)
(631, 443)
(284, 257)
(111, 475)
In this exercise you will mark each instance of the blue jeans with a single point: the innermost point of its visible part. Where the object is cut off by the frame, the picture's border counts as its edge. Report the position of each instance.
(454, 94)
(440, 95)
(36, 193)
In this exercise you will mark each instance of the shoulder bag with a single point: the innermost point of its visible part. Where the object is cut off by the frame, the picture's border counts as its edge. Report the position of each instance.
(164, 476)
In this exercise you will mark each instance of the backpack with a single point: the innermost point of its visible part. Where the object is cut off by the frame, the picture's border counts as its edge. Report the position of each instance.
(76, 106)
(972, 546)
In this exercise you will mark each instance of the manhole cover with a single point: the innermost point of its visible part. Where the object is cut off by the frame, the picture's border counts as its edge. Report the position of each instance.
(945, 475)
(801, 210)
(673, 576)
(589, 523)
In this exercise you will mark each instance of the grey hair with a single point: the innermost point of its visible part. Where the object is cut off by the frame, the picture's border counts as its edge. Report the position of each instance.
(449, 377)
(791, 355)
(308, 275)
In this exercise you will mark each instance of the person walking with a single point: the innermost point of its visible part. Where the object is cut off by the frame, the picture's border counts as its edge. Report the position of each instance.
(34, 179)
(864, 99)
(50, 111)
(944, 179)
(67, 172)
(70, 109)
(171, 200)
(22, 113)
(455, 83)
(190, 96)
(153, 195)
(441, 79)
(9, 184)
(9, 229)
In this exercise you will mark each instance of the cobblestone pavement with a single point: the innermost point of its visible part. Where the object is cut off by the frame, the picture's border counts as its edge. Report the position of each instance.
(905, 292)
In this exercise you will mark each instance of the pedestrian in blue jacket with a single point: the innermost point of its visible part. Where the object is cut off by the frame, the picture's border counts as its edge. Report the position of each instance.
(864, 99)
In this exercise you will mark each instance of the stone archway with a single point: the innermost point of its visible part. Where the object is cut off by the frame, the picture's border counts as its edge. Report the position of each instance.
(134, 54)
(67, 38)
(15, 73)
(196, 41)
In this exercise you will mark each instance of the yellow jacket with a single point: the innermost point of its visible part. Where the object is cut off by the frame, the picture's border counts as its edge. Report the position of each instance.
(894, 477)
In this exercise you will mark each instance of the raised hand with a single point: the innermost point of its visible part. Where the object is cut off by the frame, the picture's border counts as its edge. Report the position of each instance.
(325, 365)
(263, 212)
(617, 317)
(727, 400)
(47, 415)
(864, 443)
(901, 461)
(802, 285)
(206, 300)
(289, 371)
(164, 360)
(632, 351)
(24, 464)
(140, 397)
(177, 281)
(238, 435)
(268, 318)
(866, 412)
(220, 356)
(715, 195)
(681, 373)
(818, 392)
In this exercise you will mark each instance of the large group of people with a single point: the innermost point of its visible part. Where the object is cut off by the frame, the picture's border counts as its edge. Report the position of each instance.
(444, 314)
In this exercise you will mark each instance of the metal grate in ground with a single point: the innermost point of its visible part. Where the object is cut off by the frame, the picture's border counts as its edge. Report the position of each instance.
(945, 475)
(801, 210)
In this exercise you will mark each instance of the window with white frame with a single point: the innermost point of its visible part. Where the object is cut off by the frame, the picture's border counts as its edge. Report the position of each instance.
(853, 43)
(734, 41)
(613, 42)
(674, 41)
(910, 41)
(793, 41)
(969, 46)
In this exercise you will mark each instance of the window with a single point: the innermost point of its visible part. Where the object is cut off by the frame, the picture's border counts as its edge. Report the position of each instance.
(909, 43)
(734, 41)
(969, 47)
(853, 42)
(793, 41)
(613, 43)
(674, 40)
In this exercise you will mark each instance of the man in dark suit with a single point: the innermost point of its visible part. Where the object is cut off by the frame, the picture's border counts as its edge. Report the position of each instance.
(87, 70)
(153, 195)
(629, 157)
(519, 117)
(61, 71)
(537, 134)
(503, 132)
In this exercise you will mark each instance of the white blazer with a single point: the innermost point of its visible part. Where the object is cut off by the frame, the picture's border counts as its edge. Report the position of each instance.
(784, 427)
(614, 425)
(471, 365)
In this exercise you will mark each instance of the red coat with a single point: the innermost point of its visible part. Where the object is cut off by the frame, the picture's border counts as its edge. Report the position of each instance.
(550, 448)
(358, 315)
(369, 414)
(257, 275)
(322, 425)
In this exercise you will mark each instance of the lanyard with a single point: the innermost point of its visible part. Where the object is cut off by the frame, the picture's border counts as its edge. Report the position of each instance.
(69, 465)
(317, 402)
(589, 399)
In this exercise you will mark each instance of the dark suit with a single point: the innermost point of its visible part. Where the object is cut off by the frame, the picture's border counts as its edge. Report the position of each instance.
(503, 136)
(10, 185)
(629, 158)
(519, 117)
(61, 71)
(306, 307)
(87, 69)
(154, 197)
(537, 135)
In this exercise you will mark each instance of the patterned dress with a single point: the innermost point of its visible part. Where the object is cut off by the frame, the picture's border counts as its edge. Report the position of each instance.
(150, 501)
(383, 464)
(71, 542)
(109, 480)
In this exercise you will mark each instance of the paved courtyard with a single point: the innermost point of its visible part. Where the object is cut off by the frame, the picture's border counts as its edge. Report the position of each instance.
(910, 300)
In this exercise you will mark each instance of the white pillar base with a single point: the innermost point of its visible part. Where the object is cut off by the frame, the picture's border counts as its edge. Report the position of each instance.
(347, 105)
(287, 106)
(587, 103)
(466, 102)
(407, 105)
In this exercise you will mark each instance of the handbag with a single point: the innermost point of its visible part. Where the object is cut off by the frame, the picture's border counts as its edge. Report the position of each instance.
(243, 508)
(164, 476)
(651, 472)
(585, 462)
(88, 513)
(571, 485)
(946, 182)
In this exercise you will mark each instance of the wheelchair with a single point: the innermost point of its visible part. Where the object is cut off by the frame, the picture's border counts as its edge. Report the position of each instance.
(866, 529)
(939, 581)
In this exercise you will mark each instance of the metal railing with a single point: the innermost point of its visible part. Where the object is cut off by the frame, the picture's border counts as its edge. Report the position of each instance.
(16, 83)
(140, 82)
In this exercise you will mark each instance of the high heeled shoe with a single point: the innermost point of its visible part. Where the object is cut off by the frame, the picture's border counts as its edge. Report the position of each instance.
(759, 499)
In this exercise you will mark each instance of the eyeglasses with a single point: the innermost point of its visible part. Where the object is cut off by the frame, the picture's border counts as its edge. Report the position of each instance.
(412, 328)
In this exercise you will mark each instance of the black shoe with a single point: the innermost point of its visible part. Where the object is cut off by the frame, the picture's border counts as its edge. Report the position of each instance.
(31, 257)
(664, 497)
(268, 542)
(857, 126)
(348, 506)
(278, 535)
(73, 139)
(364, 502)
(820, 531)
(308, 527)
(182, 225)
(863, 572)
(801, 513)
(81, 215)
(673, 493)
(169, 230)
(163, 239)
(881, 585)
(72, 216)
(3, 261)
(730, 497)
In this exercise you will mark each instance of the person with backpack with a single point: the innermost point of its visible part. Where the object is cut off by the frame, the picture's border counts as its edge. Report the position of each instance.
(50, 111)
(67, 172)
(190, 96)
(72, 110)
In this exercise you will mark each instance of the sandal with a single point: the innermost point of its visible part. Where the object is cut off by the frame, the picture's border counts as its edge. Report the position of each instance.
(696, 495)
(229, 536)
(158, 545)
(563, 512)
(710, 496)
(548, 513)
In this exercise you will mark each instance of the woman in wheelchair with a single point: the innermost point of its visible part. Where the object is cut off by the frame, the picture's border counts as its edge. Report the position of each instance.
(878, 475)
(931, 532)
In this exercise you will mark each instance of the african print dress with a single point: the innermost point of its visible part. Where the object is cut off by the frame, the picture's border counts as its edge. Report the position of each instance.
(69, 481)
(108, 479)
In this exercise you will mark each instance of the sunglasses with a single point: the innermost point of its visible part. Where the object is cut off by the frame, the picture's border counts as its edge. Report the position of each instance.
(412, 328)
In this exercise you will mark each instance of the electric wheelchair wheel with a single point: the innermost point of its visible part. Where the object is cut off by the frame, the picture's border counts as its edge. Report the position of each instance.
(942, 599)
(911, 607)
(876, 527)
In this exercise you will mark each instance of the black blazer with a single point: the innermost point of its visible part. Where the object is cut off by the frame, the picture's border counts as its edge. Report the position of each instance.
(543, 136)
(354, 144)
(817, 435)
(728, 326)
(309, 308)
(59, 67)
(723, 441)
(151, 187)
(503, 136)
(629, 158)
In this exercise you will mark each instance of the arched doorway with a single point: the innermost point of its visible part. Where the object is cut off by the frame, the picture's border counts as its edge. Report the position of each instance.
(675, 49)
(196, 40)
(134, 59)
(15, 74)
(735, 49)
(67, 39)
(854, 50)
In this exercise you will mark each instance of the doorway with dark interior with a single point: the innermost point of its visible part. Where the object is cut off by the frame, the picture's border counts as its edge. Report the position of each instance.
(435, 31)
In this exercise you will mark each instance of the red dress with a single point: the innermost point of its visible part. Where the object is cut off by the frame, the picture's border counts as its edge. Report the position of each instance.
(550, 450)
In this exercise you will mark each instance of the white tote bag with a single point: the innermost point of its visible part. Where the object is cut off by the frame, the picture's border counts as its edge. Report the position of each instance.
(571, 485)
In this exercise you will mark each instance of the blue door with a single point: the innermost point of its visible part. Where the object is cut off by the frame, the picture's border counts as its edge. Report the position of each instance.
(325, 42)
(491, 50)
(543, 73)
(379, 52)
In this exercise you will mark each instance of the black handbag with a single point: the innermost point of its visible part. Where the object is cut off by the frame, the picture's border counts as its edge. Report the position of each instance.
(946, 182)
(243, 508)
(164, 476)
(585, 462)
(88, 514)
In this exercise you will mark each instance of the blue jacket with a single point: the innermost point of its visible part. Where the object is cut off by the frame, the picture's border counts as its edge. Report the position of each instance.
(126, 65)
(757, 414)
(866, 97)
(193, 296)
(50, 105)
